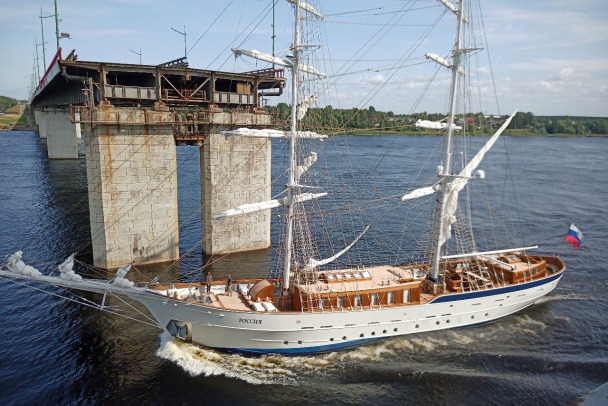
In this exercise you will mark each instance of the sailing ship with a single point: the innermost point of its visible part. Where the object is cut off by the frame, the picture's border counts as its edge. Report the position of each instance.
(312, 307)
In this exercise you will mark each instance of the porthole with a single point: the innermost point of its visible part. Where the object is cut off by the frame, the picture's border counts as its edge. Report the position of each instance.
(437, 322)
(396, 329)
(300, 342)
(472, 317)
(331, 339)
(486, 314)
(285, 342)
(373, 333)
(383, 331)
(417, 325)
(447, 321)
(344, 337)
(361, 335)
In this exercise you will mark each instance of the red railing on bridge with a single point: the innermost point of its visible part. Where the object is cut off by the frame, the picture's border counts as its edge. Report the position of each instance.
(56, 58)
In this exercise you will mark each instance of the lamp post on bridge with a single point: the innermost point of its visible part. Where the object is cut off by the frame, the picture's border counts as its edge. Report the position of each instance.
(37, 61)
(57, 34)
(184, 34)
(137, 53)
(42, 29)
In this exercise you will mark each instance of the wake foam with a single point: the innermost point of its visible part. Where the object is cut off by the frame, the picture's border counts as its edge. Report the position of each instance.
(257, 370)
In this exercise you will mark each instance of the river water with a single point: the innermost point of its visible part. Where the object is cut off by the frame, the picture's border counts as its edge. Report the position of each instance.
(53, 351)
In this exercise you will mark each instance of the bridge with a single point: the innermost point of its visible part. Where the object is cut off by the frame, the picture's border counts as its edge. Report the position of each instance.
(133, 117)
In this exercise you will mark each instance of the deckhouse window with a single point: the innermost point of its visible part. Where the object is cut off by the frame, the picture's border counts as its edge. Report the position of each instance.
(324, 303)
(406, 296)
(374, 301)
(357, 300)
(340, 301)
(390, 297)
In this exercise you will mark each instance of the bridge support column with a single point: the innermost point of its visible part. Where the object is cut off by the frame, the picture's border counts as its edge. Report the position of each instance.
(132, 178)
(62, 134)
(235, 171)
(40, 116)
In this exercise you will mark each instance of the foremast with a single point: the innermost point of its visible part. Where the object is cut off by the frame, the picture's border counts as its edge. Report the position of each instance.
(445, 168)
(292, 156)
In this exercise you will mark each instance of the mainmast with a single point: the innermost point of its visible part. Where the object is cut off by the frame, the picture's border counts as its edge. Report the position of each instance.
(297, 113)
(292, 147)
(446, 161)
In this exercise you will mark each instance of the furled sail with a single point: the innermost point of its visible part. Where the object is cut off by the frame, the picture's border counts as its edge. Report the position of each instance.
(66, 272)
(307, 7)
(452, 8)
(120, 279)
(303, 107)
(308, 162)
(269, 204)
(459, 182)
(254, 53)
(313, 263)
(310, 69)
(267, 133)
(16, 265)
(425, 191)
(443, 62)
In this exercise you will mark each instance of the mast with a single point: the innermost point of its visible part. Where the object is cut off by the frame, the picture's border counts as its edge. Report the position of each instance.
(292, 146)
(446, 161)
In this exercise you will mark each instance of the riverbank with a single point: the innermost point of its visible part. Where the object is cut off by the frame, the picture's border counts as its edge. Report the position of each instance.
(16, 122)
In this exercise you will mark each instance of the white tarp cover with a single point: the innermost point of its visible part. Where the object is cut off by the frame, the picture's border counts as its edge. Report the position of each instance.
(455, 186)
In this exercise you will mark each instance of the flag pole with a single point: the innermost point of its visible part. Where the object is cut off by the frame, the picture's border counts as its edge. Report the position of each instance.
(561, 247)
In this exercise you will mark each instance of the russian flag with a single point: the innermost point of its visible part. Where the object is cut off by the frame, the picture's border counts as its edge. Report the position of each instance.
(574, 236)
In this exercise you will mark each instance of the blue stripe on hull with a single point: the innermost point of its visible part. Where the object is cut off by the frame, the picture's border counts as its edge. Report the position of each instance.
(492, 292)
(304, 350)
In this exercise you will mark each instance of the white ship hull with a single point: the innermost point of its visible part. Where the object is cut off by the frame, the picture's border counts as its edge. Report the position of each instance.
(308, 333)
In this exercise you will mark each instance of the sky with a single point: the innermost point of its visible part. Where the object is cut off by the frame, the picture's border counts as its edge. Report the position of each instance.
(546, 57)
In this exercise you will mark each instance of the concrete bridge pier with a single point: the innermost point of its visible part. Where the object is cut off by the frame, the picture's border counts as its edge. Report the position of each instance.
(40, 116)
(61, 133)
(132, 182)
(234, 171)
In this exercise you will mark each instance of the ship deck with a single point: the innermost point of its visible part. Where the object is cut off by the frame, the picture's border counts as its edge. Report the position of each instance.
(363, 282)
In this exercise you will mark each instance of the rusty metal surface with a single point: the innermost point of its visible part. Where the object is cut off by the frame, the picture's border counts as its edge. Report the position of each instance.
(143, 85)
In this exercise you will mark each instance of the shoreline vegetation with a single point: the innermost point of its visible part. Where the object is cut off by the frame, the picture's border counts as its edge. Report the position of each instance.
(373, 122)
(370, 121)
